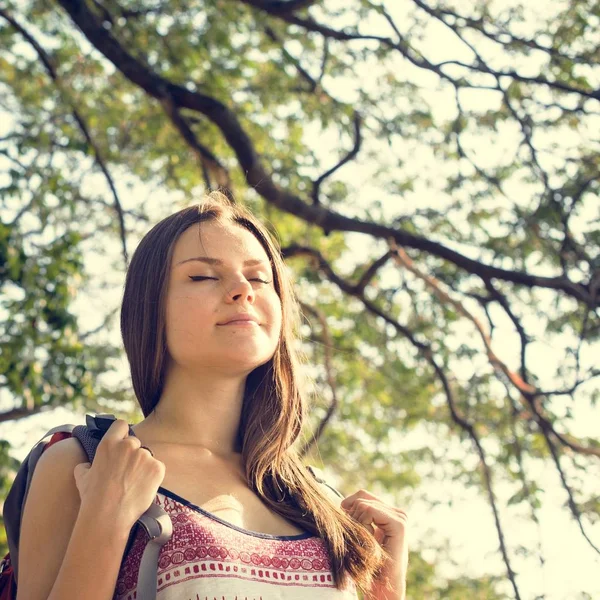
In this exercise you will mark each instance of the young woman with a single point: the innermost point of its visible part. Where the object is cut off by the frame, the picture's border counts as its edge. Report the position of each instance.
(208, 322)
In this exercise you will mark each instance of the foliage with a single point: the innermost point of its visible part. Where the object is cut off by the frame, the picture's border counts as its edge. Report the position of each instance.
(428, 167)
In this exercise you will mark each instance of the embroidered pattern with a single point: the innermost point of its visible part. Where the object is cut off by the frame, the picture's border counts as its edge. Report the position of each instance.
(239, 565)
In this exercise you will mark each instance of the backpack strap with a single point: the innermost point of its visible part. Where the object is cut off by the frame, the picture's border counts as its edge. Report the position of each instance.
(155, 521)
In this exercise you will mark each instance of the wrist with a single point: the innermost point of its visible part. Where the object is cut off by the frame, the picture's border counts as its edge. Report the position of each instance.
(109, 521)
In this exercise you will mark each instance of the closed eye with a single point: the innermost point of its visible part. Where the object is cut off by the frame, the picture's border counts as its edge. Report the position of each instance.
(203, 277)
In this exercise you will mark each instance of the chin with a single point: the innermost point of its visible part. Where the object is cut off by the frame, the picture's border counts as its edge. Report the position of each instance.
(249, 365)
(246, 356)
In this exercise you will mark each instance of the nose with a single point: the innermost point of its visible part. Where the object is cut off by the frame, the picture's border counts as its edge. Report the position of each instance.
(240, 290)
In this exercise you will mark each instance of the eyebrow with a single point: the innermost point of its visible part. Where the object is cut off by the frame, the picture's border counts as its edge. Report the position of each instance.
(218, 261)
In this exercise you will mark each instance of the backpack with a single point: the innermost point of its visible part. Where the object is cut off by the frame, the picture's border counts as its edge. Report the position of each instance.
(155, 521)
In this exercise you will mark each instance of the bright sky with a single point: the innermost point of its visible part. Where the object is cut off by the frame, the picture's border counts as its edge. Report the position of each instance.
(467, 527)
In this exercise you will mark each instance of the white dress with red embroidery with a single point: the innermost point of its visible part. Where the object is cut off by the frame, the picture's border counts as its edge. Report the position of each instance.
(210, 559)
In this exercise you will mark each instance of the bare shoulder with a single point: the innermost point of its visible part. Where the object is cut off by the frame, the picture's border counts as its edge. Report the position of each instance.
(68, 451)
(49, 515)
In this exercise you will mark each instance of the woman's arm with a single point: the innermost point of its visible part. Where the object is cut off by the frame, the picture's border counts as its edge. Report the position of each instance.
(389, 526)
(66, 552)
(91, 565)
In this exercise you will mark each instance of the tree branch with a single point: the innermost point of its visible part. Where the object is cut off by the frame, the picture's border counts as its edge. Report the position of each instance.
(22, 413)
(303, 72)
(480, 26)
(425, 351)
(327, 347)
(46, 61)
(342, 162)
(284, 7)
(372, 271)
(209, 163)
(417, 58)
(259, 178)
(571, 500)
(402, 259)
(501, 299)
(530, 393)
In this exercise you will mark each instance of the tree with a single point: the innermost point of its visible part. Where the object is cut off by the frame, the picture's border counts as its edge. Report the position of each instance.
(468, 167)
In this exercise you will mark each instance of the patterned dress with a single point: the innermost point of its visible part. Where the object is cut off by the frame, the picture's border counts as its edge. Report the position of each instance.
(208, 558)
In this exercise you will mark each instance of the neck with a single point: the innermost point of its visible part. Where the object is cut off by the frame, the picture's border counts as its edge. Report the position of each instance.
(198, 408)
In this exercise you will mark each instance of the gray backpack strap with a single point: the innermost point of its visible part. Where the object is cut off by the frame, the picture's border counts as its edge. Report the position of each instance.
(159, 527)
(155, 521)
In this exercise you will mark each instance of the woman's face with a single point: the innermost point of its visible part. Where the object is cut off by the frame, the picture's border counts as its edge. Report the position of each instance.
(222, 275)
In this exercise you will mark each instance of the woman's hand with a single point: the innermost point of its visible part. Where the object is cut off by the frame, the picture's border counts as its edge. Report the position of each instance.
(123, 478)
(389, 526)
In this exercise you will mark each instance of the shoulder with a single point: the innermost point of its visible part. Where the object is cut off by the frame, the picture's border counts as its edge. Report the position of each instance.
(63, 455)
(53, 474)
(48, 517)
(53, 477)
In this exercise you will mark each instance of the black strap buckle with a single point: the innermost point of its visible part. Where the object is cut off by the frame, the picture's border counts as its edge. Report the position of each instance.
(99, 424)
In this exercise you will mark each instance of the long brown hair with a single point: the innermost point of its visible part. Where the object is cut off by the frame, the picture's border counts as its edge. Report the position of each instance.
(273, 409)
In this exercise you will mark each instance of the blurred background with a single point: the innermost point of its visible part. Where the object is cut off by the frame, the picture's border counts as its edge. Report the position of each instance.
(431, 169)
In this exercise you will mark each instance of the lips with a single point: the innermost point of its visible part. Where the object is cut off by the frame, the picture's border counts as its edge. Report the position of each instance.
(245, 317)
